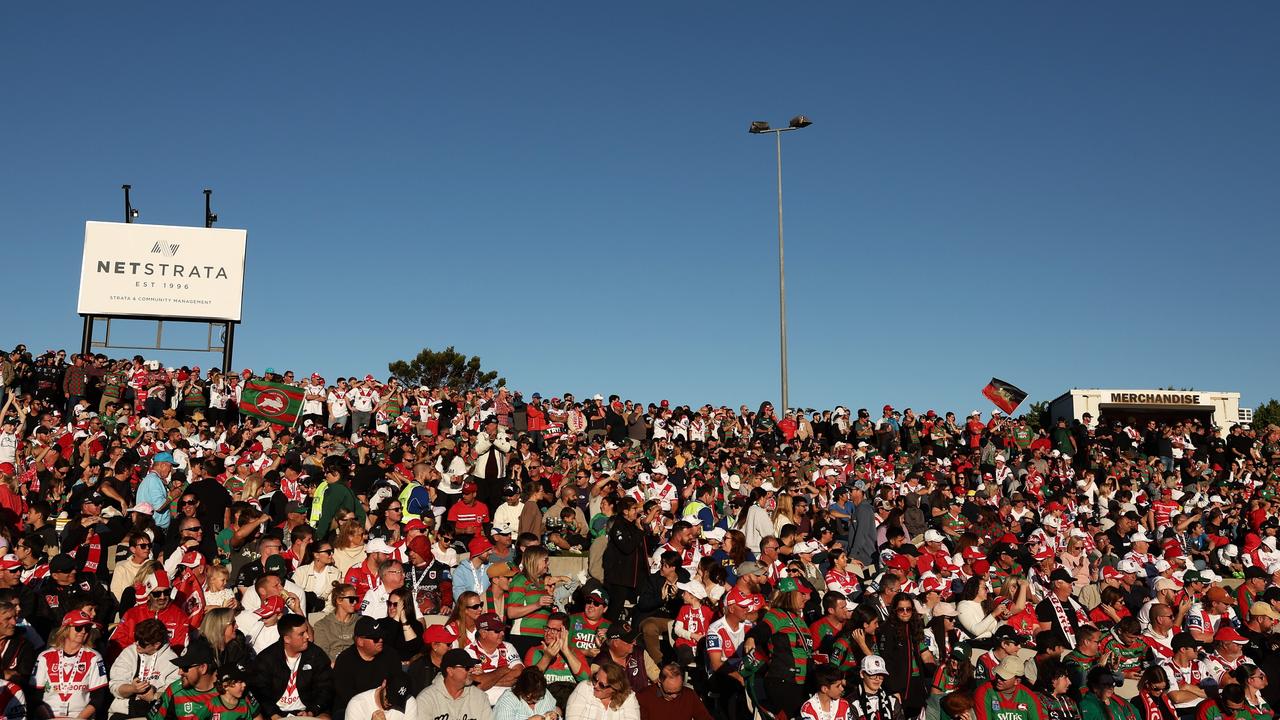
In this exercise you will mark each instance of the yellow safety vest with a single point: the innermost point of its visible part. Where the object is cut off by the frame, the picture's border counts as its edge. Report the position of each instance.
(317, 503)
(404, 502)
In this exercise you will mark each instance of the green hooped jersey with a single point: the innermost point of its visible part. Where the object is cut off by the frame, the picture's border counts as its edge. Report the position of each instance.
(179, 703)
(527, 592)
(1021, 704)
(582, 632)
(790, 627)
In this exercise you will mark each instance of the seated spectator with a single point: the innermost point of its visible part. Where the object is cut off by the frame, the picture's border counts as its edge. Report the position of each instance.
(365, 665)
(142, 670)
(336, 631)
(292, 676)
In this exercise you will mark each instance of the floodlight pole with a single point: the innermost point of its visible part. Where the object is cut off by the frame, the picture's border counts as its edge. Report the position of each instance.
(128, 207)
(209, 217)
(760, 129)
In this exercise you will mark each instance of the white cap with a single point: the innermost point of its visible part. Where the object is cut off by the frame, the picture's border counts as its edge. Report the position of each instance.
(715, 533)
(807, 548)
(1001, 458)
(659, 469)
(693, 588)
(644, 478)
(976, 412)
(735, 481)
(995, 413)
(1165, 583)
(1232, 550)
(874, 665)
(378, 545)
(1051, 521)
(1055, 454)
(932, 535)
(1139, 536)
(1210, 576)
(944, 609)
(831, 473)
(1161, 564)
(767, 486)
(1129, 566)
(1273, 567)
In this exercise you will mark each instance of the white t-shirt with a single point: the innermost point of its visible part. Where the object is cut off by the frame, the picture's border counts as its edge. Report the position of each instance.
(313, 400)
(337, 404)
(363, 399)
(365, 704)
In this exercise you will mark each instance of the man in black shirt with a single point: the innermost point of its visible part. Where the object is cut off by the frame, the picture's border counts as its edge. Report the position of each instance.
(363, 666)
(214, 505)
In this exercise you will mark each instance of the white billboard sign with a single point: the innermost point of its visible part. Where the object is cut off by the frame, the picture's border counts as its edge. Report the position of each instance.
(162, 271)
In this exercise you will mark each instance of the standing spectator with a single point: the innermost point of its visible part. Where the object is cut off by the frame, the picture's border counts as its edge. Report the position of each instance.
(625, 557)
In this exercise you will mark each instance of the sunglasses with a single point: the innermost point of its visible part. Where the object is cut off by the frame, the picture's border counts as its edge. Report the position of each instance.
(596, 602)
(143, 545)
(349, 598)
(905, 609)
(603, 686)
(159, 593)
(397, 508)
(325, 550)
(477, 606)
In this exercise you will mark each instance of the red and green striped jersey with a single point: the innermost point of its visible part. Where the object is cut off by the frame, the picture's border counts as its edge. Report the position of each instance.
(558, 670)
(583, 632)
(791, 630)
(179, 703)
(845, 654)
(245, 709)
(523, 592)
(1131, 656)
(999, 576)
(1019, 704)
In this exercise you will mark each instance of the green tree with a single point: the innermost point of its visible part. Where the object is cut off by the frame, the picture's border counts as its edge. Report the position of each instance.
(1268, 413)
(1037, 414)
(444, 368)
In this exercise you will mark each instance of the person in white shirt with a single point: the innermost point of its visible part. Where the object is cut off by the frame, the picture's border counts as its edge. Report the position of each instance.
(339, 408)
(259, 625)
(392, 699)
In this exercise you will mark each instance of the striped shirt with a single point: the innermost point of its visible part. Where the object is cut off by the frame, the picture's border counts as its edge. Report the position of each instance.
(524, 592)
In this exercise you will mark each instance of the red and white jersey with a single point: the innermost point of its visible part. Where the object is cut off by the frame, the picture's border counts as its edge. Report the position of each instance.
(1201, 620)
(68, 680)
(689, 557)
(1161, 646)
(1192, 674)
(845, 583)
(363, 399)
(725, 639)
(664, 493)
(1057, 543)
(839, 710)
(1163, 510)
(34, 574)
(362, 578)
(1217, 666)
(695, 621)
(313, 399)
(338, 405)
(1143, 559)
(504, 656)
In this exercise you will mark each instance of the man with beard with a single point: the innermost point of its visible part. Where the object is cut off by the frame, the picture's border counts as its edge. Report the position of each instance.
(154, 602)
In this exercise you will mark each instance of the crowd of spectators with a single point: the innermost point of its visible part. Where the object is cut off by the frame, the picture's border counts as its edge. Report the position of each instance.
(447, 554)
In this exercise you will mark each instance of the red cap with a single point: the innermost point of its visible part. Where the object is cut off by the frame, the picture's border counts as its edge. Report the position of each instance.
(972, 553)
(478, 545)
(1110, 573)
(666, 404)
(415, 524)
(931, 414)
(78, 619)
(10, 562)
(7, 468)
(438, 634)
(888, 408)
(270, 606)
(1226, 633)
(899, 562)
(981, 567)
(469, 487)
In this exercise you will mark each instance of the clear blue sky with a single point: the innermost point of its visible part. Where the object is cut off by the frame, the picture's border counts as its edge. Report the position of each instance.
(1058, 194)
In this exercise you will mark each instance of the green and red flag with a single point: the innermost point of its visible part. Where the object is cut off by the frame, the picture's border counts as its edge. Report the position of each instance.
(274, 402)
(1006, 397)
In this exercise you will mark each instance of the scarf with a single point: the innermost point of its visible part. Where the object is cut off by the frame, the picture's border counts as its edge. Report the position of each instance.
(1063, 621)
(1156, 707)
(92, 552)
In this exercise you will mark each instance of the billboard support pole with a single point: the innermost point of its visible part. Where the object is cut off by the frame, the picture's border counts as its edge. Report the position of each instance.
(86, 336)
(228, 345)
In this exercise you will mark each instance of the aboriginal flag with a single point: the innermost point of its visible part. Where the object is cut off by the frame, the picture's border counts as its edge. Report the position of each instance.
(273, 402)
(1006, 397)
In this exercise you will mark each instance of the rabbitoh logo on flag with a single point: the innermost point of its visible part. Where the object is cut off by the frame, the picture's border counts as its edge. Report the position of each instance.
(166, 249)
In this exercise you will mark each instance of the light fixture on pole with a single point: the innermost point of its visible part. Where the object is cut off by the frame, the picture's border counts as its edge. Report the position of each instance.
(130, 212)
(760, 127)
(210, 217)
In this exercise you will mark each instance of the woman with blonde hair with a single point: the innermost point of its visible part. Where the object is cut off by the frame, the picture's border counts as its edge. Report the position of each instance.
(348, 547)
(219, 628)
(70, 647)
(529, 602)
(462, 621)
(336, 631)
(784, 514)
(606, 695)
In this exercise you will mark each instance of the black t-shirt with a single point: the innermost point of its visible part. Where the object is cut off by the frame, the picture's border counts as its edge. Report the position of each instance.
(353, 675)
(214, 501)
